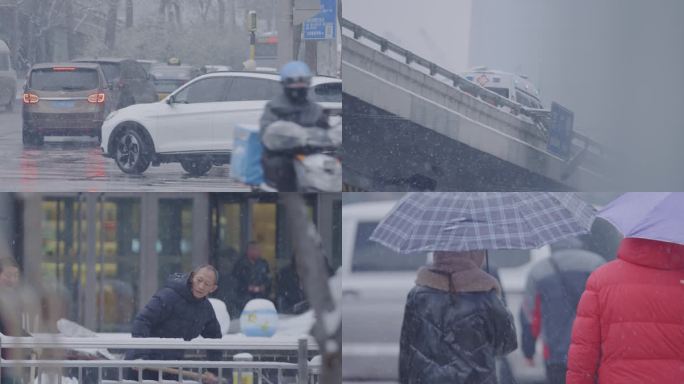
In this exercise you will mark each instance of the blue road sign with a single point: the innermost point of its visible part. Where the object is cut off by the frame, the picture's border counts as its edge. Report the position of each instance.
(560, 132)
(322, 26)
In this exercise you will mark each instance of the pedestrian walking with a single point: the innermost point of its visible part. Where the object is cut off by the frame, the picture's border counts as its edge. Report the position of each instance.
(553, 289)
(630, 320)
(455, 322)
(11, 310)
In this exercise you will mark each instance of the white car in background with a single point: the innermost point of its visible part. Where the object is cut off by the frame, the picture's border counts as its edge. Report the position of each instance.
(194, 124)
(375, 283)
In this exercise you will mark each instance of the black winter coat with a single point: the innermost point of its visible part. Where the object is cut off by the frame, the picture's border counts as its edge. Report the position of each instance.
(453, 338)
(173, 312)
(278, 168)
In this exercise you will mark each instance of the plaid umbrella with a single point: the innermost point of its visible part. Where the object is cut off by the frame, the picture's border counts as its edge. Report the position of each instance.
(460, 221)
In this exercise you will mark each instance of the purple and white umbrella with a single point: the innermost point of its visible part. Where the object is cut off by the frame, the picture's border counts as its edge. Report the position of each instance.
(461, 221)
(648, 215)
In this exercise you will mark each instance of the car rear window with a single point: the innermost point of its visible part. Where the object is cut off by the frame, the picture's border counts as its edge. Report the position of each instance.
(173, 73)
(331, 92)
(111, 71)
(78, 79)
(133, 70)
(167, 86)
(370, 256)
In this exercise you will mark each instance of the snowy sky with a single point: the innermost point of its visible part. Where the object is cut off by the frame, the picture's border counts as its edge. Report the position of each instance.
(435, 29)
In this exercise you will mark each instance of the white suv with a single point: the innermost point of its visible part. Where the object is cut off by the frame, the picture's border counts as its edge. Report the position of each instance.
(194, 124)
(375, 283)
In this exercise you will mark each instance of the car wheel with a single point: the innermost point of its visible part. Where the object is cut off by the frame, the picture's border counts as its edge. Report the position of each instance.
(196, 167)
(30, 137)
(130, 153)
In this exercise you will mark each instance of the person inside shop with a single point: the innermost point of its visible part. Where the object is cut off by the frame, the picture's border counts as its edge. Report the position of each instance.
(253, 276)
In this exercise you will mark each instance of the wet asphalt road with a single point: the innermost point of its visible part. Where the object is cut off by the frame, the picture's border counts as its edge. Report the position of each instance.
(67, 164)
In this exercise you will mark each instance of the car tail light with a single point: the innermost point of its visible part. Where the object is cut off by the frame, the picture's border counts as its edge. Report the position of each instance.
(96, 98)
(63, 68)
(30, 98)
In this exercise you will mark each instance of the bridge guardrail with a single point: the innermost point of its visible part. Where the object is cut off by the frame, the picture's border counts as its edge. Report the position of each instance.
(539, 117)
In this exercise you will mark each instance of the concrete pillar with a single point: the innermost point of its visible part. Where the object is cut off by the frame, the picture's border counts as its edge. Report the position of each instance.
(149, 233)
(33, 252)
(200, 228)
(90, 315)
(285, 32)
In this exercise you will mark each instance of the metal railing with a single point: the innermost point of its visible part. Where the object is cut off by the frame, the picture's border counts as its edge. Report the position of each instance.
(50, 365)
(538, 117)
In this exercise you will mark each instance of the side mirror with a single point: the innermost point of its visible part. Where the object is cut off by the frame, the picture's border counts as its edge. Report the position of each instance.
(170, 100)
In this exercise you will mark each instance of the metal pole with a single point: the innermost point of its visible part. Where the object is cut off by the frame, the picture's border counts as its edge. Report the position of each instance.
(285, 32)
(302, 362)
(101, 307)
(252, 45)
(90, 292)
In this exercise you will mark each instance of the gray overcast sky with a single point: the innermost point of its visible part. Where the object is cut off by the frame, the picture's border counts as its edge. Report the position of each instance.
(435, 29)
(618, 64)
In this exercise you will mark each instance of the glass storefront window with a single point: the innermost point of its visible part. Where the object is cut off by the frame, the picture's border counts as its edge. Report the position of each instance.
(116, 254)
(118, 268)
(228, 218)
(63, 258)
(174, 244)
(264, 230)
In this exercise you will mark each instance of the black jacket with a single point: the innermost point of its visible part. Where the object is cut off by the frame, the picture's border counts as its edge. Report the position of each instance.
(173, 312)
(308, 114)
(453, 338)
(247, 273)
(278, 169)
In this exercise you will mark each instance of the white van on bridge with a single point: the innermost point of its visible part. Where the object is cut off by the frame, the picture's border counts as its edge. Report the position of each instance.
(509, 85)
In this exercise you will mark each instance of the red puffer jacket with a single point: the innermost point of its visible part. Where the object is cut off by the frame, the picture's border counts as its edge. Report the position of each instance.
(630, 320)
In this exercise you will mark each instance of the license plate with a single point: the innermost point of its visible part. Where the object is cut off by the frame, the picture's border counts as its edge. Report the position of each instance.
(62, 104)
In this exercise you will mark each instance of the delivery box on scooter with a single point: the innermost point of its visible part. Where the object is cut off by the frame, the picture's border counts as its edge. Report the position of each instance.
(245, 163)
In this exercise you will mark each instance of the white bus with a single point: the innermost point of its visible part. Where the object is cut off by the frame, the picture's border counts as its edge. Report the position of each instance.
(511, 86)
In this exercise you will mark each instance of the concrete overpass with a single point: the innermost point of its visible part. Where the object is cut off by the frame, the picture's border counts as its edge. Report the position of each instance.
(413, 125)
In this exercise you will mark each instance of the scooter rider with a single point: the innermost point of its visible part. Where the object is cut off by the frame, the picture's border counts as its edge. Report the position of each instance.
(293, 106)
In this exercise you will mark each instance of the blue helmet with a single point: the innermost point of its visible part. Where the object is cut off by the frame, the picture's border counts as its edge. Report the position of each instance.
(295, 72)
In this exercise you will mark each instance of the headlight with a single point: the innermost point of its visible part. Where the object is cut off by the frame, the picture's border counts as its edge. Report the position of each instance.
(111, 114)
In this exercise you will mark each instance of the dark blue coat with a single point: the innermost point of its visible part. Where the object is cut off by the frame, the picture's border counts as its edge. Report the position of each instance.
(173, 312)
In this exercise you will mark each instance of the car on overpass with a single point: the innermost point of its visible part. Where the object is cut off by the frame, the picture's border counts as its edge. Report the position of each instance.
(375, 283)
(194, 124)
(517, 88)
